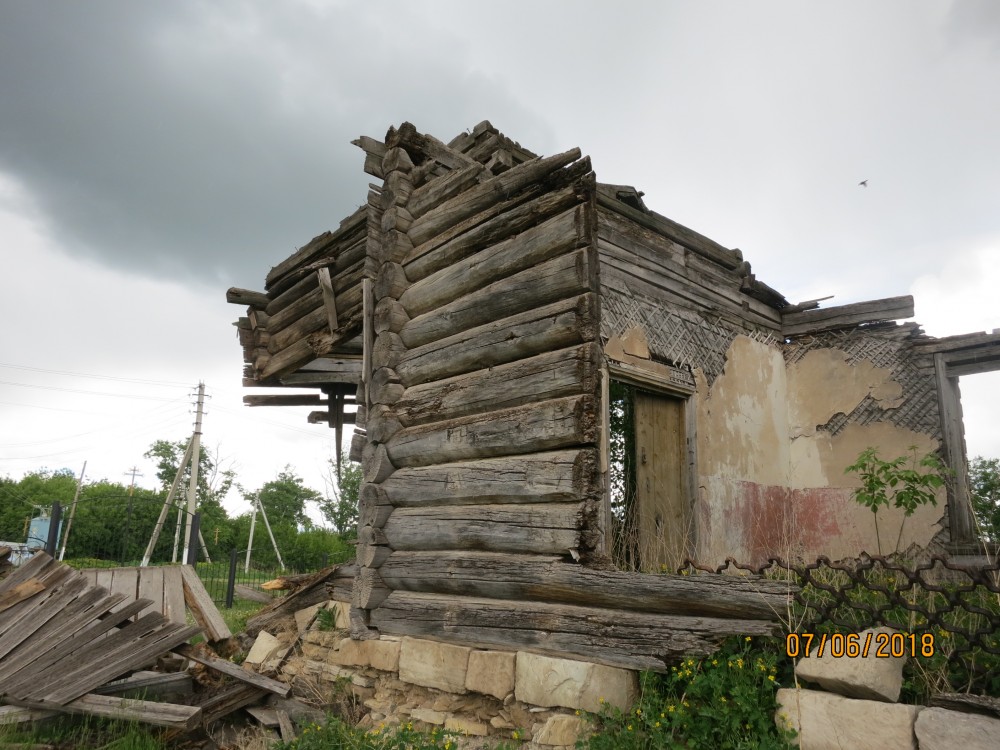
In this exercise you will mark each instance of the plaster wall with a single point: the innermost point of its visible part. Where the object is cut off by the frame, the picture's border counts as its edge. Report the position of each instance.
(771, 480)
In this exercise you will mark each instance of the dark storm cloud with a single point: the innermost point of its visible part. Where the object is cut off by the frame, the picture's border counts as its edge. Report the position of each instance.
(206, 140)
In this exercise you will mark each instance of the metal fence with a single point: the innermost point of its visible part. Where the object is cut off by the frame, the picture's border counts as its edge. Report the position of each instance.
(944, 611)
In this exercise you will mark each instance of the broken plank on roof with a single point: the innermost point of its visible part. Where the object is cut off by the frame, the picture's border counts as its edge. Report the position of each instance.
(846, 316)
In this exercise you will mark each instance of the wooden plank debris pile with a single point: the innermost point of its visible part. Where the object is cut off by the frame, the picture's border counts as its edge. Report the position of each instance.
(71, 646)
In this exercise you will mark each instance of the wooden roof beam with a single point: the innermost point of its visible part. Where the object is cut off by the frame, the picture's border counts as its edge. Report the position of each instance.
(846, 316)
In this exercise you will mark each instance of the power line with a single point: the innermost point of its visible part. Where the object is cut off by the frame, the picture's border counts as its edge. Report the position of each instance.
(90, 393)
(99, 377)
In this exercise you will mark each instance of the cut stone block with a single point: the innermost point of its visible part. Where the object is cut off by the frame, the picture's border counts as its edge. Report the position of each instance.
(428, 715)
(561, 730)
(305, 616)
(825, 721)
(491, 673)
(383, 654)
(870, 678)
(550, 681)
(466, 726)
(265, 645)
(432, 664)
(941, 729)
(349, 653)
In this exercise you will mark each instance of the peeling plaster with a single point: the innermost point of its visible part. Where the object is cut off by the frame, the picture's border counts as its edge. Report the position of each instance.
(770, 482)
(823, 384)
(742, 417)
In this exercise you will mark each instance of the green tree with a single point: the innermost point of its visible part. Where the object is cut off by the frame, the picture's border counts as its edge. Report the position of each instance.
(20, 499)
(214, 484)
(284, 499)
(340, 507)
(905, 482)
(984, 486)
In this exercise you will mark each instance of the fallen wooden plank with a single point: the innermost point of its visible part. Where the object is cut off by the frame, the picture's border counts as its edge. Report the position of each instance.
(20, 715)
(265, 716)
(167, 715)
(230, 698)
(148, 685)
(202, 607)
(19, 593)
(233, 670)
(245, 592)
(285, 726)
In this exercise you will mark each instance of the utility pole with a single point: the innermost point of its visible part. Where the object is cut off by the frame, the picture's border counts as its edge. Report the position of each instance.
(72, 512)
(166, 508)
(135, 472)
(192, 504)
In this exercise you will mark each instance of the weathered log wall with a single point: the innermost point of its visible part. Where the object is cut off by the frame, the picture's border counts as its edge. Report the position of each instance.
(481, 380)
(479, 427)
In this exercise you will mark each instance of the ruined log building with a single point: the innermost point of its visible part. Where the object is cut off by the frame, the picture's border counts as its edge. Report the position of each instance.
(556, 393)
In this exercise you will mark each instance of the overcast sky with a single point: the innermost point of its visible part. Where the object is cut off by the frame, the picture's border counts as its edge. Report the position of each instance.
(154, 154)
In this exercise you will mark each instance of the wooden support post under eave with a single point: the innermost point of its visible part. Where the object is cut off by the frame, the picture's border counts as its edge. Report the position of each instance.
(961, 522)
(329, 301)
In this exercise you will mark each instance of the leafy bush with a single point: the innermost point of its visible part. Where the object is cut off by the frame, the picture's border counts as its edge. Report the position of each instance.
(724, 701)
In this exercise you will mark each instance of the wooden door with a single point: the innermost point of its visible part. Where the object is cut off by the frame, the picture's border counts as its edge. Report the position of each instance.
(661, 497)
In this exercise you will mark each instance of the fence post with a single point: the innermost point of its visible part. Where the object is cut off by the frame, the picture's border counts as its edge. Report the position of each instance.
(53, 538)
(326, 560)
(192, 559)
(231, 583)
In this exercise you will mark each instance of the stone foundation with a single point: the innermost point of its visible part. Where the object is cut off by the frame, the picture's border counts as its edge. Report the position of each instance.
(495, 694)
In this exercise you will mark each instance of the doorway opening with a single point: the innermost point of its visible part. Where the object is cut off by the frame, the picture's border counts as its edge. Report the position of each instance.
(649, 504)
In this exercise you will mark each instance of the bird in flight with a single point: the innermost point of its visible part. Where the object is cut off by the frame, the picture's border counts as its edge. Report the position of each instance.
(863, 183)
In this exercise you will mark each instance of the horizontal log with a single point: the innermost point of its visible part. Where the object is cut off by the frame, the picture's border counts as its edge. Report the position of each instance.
(338, 258)
(323, 417)
(547, 282)
(954, 344)
(486, 194)
(482, 231)
(237, 296)
(464, 275)
(542, 426)
(422, 147)
(305, 378)
(311, 299)
(312, 345)
(844, 316)
(564, 372)
(495, 575)
(316, 246)
(552, 477)
(555, 326)
(690, 239)
(374, 154)
(434, 193)
(550, 528)
(624, 639)
(292, 399)
(653, 258)
(310, 315)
